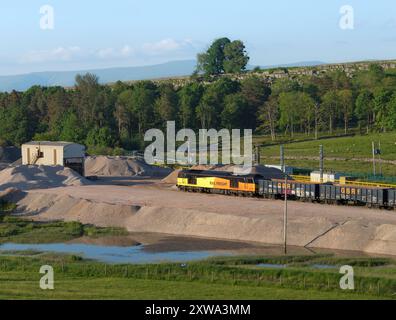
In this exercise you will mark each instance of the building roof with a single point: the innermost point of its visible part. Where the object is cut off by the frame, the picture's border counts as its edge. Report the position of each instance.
(50, 143)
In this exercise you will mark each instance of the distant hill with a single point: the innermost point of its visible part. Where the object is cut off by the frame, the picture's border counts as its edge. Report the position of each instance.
(66, 78)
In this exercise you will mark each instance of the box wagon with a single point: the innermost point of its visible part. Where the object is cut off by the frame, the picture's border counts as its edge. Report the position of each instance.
(372, 197)
(294, 189)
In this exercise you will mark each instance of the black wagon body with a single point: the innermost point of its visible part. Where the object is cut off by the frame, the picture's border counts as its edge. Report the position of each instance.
(377, 197)
(294, 189)
(391, 198)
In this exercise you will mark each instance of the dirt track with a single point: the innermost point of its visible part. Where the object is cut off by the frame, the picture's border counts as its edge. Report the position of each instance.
(162, 209)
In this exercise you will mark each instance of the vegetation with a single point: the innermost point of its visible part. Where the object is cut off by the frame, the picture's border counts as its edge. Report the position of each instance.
(17, 230)
(113, 118)
(234, 278)
(223, 56)
(351, 154)
(6, 207)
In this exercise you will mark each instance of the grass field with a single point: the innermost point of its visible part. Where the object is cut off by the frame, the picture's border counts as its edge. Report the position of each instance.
(220, 278)
(234, 278)
(344, 154)
(17, 230)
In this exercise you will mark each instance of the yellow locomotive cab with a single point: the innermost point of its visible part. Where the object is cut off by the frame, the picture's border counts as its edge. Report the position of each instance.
(196, 180)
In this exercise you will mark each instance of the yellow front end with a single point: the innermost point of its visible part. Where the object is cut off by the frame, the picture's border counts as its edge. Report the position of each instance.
(206, 182)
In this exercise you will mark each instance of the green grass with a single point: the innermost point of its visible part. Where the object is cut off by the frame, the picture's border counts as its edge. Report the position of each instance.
(351, 153)
(222, 278)
(136, 289)
(17, 230)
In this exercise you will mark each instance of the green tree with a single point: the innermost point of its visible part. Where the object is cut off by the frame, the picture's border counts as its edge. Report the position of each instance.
(211, 62)
(123, 112)
(166, 105)
(307, 106)
(87, 93)
(339, 80)
(268, 115)
(212, 103)
(289, 111)
(391, 123)
(235, 57)
(370, 79)
(284, 85)
(72, 128)
(364, 109)
(234, 115)
(346, 106)
(143, 98)
(381, 100)
(330, 105)
(189, 98)
(14, 125)
(256, 92)
(100, 137)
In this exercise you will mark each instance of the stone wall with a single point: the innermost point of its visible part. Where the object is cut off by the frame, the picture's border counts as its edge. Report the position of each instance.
(271, 75)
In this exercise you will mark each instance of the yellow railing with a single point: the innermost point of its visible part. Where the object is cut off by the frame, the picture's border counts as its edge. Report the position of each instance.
(302, 178)
(370, 184)
(348, 182)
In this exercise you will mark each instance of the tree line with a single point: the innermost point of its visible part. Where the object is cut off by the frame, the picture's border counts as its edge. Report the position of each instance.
(113, 118)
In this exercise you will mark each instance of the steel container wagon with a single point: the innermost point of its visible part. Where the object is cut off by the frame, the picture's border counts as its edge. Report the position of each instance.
(369, 196)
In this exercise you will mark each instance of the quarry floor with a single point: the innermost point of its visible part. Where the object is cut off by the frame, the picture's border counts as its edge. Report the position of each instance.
(143, 205)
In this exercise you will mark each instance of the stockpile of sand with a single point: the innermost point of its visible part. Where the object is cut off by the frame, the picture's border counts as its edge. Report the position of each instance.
(122, 167)
(8, 155)
(210, 216)
(50, 207)
(39, 177)
(267, 173)
(172, 178)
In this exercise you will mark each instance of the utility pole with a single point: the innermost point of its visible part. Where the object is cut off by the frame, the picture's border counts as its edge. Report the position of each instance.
(285, 218)
(321, 162)
(379, 156)
(282, 159)
(257, 159)
(374, 168)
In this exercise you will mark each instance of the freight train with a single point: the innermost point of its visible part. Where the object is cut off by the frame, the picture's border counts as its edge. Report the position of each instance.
(255, 185)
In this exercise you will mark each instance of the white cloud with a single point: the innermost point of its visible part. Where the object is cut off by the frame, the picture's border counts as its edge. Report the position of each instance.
(127, 51)
(166, 46)
(57, 54)
(160, 48)
(110, 53)
(163, 50)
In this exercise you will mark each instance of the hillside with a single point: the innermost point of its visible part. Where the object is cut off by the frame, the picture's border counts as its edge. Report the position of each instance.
(66, 78)
(351, 154)
(172, 69)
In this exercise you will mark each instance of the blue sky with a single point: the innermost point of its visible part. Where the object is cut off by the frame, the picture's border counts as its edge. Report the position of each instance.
(99, 34)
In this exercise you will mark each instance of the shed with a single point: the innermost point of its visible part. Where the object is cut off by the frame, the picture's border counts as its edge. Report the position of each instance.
(49, 153)
(327, 177)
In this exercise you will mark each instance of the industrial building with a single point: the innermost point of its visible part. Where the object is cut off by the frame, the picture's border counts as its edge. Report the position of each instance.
(48, 153)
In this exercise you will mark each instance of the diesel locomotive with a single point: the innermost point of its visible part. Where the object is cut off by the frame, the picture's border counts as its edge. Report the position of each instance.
(255, 185)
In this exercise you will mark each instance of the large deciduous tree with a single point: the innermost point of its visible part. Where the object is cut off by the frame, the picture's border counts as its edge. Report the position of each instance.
(223, 56)
(364, 109)
(346, 106)
(235, 57)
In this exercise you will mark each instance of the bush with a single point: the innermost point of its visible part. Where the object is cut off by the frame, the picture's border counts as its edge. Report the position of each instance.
(46, 136)
(6, 206)
(8, 230)
(118, 152)
(99, 151)
(75, 229)
(4, 142)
